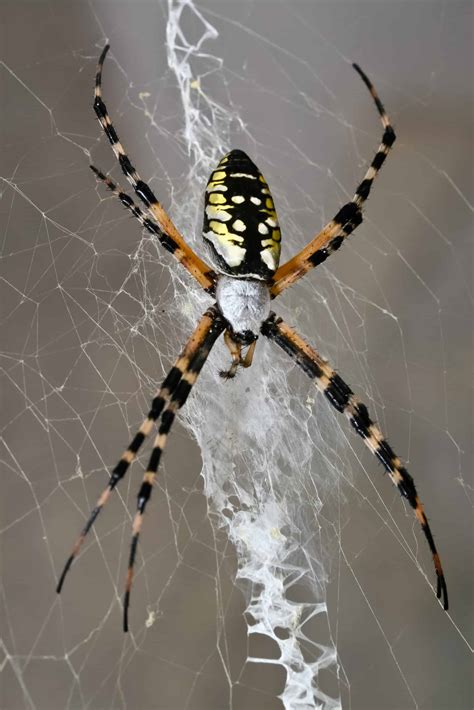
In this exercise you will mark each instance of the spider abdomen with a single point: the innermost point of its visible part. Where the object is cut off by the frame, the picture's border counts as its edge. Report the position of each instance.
(244, 303)
(240, 221)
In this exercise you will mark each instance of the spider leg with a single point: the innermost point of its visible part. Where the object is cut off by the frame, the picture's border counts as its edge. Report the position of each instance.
(330, 238)
(175, 402)
(171, 385)
(174, 240)
(343, 399)
(196, 267)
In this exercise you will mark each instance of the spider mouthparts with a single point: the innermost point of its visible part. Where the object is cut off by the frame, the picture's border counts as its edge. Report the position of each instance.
(227, 374)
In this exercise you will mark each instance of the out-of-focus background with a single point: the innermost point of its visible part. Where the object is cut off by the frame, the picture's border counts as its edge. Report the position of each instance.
(88, 313)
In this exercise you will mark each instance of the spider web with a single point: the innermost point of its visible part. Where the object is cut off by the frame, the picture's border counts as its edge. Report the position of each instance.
(277, 566)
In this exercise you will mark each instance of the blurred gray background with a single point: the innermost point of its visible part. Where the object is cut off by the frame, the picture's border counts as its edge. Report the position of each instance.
(76, 380)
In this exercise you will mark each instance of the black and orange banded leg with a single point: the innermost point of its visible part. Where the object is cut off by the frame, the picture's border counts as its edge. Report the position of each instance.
(127, 201)
(197, 268)
(174, 240)
(343, 399)
(349, 217)
(175, 402)
(189, 356)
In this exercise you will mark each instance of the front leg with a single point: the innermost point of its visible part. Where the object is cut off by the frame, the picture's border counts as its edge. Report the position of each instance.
(170, 237)
(343, 399)
(330, 238)
(205, 276)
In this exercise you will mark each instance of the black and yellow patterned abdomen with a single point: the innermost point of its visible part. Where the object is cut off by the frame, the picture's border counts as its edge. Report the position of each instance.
(240, 221)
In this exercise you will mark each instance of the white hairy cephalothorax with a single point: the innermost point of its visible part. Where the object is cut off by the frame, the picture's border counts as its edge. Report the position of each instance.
(244, 303)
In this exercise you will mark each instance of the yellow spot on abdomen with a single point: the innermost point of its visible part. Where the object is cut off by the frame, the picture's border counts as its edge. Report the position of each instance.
(219, 228)
(217, 199)
(218, 212)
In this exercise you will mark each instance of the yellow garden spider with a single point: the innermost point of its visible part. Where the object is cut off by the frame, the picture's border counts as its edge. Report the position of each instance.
(243, 238)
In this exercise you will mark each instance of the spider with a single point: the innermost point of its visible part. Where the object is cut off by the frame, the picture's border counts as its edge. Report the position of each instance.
(243, 238)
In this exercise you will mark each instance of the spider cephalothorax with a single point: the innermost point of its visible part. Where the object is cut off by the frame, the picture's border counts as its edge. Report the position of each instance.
(242, 232)
(245, 304)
